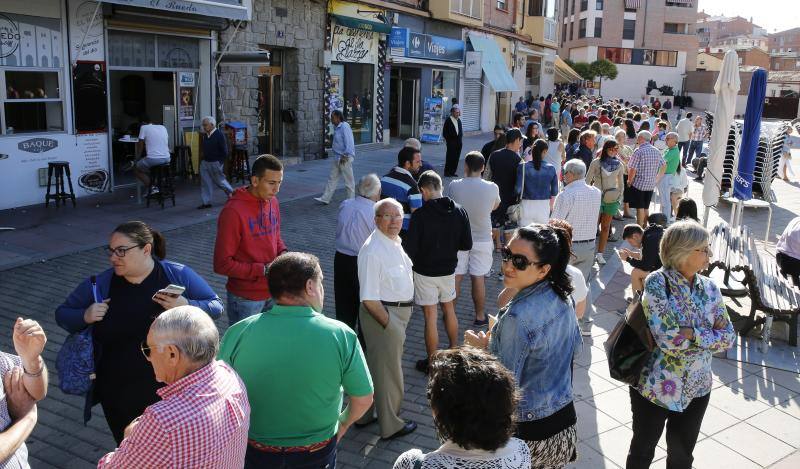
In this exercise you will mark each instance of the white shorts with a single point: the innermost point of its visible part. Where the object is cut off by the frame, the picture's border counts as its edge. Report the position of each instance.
(429, 291)
(477, 261)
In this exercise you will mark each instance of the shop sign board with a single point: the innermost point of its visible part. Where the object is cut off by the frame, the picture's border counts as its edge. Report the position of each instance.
(86, 31)
(473, 67)
(432, 120)
(405, 43)
(397, 42)
(30, 41)
(354, 45)
(230, 9)
(25, 156)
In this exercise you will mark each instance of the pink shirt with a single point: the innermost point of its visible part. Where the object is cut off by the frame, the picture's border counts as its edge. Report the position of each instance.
(201, 422)
(789, 242)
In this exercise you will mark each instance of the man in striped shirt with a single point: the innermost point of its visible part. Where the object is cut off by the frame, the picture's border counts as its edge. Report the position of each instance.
(204, 415)
(645, 170)
(400, 184)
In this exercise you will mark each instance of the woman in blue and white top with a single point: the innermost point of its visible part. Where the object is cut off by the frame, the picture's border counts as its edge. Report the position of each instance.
(540, 187)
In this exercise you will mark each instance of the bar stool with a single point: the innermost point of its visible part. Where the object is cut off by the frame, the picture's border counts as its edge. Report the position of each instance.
(160, 177)
(55, 174)
(240, 165)
(184, 167)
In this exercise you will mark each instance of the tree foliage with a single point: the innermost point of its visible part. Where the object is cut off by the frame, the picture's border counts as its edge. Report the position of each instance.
(584, 70)
(604, 68)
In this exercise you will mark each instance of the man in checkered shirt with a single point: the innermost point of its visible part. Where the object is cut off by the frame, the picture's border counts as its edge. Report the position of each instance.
(645, 170)
(204, 415)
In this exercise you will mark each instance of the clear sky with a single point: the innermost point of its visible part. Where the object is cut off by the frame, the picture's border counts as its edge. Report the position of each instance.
(774, 15)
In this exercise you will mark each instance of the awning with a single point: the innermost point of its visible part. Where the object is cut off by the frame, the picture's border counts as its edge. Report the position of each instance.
(683, 2)
(230, 9)
(358, 16)
(565, 73)
(434, 63)
(493, 65)
(632, 4)
(525, 50)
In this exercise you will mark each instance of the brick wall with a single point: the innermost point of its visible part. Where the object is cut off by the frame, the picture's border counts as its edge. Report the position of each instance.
(298, 29)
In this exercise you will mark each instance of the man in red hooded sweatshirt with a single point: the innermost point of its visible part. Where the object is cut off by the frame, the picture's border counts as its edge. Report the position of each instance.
(249, 239)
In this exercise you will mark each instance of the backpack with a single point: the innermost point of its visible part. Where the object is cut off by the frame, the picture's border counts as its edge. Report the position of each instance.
(631, 342)
(75, 360)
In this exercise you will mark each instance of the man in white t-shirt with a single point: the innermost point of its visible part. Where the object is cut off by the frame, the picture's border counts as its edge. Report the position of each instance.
(154, 139)
(479, 198)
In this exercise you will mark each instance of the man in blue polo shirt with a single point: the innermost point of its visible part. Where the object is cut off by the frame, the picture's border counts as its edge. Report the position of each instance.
(400, 184)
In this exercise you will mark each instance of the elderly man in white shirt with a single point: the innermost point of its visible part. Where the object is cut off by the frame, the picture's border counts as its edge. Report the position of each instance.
(579, 204)
(684, 130)
(356, 221)
(387, 295)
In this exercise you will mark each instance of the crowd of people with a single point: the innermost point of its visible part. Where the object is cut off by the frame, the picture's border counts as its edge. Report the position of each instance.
(271, 391)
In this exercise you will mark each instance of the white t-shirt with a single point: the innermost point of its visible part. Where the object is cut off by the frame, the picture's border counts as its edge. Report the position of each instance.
(156, 140)
(578, 283)
(478, 197)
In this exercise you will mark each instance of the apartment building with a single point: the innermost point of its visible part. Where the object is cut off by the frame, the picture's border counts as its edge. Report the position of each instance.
(742, 41)
(711, 29)
(785, 41)
(645, 39)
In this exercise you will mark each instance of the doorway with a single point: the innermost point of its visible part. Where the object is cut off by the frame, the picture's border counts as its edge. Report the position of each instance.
(270, 135)
(404, 96)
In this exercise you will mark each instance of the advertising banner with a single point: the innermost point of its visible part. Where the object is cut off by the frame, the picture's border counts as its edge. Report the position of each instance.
(432, 120)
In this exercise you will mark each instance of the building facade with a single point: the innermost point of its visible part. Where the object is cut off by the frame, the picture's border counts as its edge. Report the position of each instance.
(785, 41)
(646, 40)
(712, 29)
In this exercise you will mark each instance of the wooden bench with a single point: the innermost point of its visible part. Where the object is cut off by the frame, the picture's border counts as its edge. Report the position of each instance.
(734, 250)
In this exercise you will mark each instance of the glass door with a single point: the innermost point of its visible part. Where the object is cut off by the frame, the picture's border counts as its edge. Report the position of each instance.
(409, 107)
(270, 135)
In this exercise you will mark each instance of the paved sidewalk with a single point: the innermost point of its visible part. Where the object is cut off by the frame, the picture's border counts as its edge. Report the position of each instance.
(753, 419)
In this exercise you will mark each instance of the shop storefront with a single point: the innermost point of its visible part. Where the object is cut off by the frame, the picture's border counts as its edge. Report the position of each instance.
(497, 80)
(80, 96)
(424, 78)
(539, 66)
(354, 75)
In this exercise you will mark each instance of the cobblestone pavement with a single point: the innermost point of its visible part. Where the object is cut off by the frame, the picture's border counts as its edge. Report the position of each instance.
(753, 420)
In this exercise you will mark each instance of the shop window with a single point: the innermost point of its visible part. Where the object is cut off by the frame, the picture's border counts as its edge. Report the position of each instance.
(533, 68)
(352, 92)
(178, 52)
(628, 29)
(137, 50)
(444, 86)
(31, 101)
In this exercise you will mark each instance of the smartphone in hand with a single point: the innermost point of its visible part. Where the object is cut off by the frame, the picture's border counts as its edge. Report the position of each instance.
(171, 290)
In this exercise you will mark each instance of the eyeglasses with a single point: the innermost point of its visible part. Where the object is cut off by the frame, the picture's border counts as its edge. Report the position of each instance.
(519, 261)
(120, 251)
(706, 250)
(145, 349)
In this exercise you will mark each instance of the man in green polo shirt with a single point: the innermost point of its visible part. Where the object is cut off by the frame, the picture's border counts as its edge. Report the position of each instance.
(295, 362)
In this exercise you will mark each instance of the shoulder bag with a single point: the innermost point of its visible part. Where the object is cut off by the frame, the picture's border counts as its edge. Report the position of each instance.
(75, 360)
(514, 212)
(487, 170)
(631, 342)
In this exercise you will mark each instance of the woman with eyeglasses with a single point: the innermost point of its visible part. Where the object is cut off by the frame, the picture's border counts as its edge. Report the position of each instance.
(536, 336)
(120, 304)
(606, 173)
(689, 322)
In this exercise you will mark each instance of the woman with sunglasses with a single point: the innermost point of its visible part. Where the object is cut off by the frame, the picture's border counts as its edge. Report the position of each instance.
(606, 173)
(536, 336)
(120, 304)
(689, 323)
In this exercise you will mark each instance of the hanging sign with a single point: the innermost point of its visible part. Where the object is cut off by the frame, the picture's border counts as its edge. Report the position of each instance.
(354, 45)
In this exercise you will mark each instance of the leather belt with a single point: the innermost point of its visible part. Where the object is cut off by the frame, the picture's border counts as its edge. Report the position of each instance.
(289, 449)
(584, 241)
(398, 304)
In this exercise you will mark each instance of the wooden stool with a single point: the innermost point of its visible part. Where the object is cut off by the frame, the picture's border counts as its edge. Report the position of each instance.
(184, 167)
(55, 173)
(160, 177)
(240, 165)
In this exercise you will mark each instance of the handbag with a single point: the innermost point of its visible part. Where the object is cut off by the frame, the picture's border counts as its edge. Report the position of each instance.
(630, 344)
(487, 170)
(75, 360)
(514, 212)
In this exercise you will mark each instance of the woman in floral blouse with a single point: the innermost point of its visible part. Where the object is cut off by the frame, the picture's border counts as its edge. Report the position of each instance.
(689, 322)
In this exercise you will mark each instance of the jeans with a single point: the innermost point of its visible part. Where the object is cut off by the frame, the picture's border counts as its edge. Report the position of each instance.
(695, 148)
(239, 308)
(324, 458)
(664, 201)
(211, 175)
(648, 424)
(683, 147)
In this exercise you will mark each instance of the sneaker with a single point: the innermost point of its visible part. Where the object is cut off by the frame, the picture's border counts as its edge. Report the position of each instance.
(422, 365)
(586, 329)
(322, 201)
(154, 190)
(600, 259)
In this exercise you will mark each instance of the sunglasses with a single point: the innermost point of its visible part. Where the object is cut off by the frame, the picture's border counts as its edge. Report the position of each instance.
(519, 261)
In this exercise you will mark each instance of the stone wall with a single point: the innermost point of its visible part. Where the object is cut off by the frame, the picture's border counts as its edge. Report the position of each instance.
(297, 28)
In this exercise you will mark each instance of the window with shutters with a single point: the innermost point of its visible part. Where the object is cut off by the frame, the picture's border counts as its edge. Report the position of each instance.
(471, 8)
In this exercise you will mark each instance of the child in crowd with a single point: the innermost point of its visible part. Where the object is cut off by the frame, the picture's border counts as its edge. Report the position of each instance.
(644, 252)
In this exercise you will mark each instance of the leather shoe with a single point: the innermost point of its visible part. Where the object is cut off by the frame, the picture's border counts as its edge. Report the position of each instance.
(204, 206)
(365, 424)
(409, 427)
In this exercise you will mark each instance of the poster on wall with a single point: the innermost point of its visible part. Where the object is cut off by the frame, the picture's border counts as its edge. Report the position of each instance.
(30, 41)
(432, 120)
(22, 157)
(86, 31)
(354, 45)
(186, 108)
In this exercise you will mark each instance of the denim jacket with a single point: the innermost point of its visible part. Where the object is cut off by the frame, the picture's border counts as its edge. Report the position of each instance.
(541, 184)
(536, 337)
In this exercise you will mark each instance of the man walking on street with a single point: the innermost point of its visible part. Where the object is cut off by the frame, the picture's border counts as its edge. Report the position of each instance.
(645, 170)
(386, 287)
(214, 148)
(295, 363)
(439, 230)
(579, 205)
(401, 185)
(479, 198)
(344, 151)
(356, 221)
(249, 239)
(684, 129)
(453, 134)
